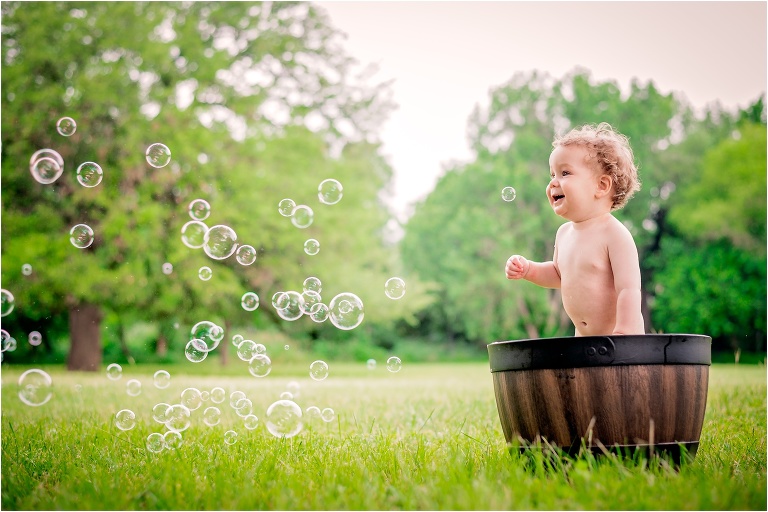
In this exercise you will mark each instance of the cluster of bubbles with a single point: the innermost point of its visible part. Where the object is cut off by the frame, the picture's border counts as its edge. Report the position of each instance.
(9, 344)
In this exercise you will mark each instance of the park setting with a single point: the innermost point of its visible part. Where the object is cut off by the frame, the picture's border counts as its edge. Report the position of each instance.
(225, 286)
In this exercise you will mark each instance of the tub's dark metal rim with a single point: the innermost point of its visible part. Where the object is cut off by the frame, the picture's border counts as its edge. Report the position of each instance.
(591, 351)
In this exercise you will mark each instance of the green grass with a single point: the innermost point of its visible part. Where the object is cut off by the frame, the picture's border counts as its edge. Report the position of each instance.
(427, 437)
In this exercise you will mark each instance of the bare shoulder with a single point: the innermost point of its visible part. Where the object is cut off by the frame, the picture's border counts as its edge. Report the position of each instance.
(564, 229)
(618, 233)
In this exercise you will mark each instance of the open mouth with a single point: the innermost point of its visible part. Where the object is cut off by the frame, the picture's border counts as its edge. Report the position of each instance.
(557, 197)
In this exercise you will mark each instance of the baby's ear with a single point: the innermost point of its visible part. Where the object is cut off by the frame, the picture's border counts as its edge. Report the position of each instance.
(604, 185)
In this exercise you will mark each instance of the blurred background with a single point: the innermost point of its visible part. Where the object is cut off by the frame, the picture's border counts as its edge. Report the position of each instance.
(259, 102)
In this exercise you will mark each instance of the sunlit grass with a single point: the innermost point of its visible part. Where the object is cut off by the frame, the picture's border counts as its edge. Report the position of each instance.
(427, 437)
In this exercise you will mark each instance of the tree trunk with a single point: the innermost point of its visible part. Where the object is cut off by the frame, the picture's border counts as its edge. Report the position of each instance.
(162, 345)
(85, 335)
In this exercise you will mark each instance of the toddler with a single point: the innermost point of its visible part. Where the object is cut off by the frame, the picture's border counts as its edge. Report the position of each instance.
(595, 262)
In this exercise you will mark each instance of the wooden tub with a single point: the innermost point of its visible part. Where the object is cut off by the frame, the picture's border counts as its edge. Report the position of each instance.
(625, 393)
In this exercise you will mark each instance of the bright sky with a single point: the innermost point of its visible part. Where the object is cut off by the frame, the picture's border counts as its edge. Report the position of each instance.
(445, 57)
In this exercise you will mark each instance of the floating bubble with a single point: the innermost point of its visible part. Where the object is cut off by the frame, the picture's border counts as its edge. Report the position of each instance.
(114, 371)
(313, 284)
(237, 339)
(328, 414)
(167, 268)
(235, 397)
(125, 419)
(209, 332)
(46, 170)
(26, 269)
(35, 387)
(243, 407)
(158, 155)
(230, 437)
(133, 387)
(329, 191)
(394, 288)
(508, 194)
(193, 234)
(346, 311)
(89, 174)
(220, 242)
(285, 207)
(318, 370)
(251, 421)
(260, 365)
(309, 298)
(199, 209)
(249, 301)
(371, 364)
(193, 353)
(172, 439)
(81, 236)
(302, 216)
(7, 342)
(394, 364)
(155, 442)
(7, 302)
(161, 412)
(205, 395)
(66, 126)
(280, 300)
(246, 350)
(245, 255)
(205, 273)
(178, 418)
(191, 398)
(319, 313)
(287, 347)
(294, 388)
(260, 349)
(218, 395)
(284, 419)
(46, 153)
(212, 416)
(312, 412)
(311, 247)
(294, 307)
(162, 379)
(286, 395)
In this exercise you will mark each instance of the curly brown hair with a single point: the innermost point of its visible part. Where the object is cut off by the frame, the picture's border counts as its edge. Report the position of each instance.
(613, 157)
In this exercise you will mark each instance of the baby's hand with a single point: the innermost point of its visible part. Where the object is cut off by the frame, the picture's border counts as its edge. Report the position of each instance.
(517, 267)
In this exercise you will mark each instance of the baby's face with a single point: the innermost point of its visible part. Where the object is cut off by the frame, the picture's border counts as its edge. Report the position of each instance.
(573, 184)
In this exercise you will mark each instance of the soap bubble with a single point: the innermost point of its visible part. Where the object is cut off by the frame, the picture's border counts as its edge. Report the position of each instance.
(284, 419)
(313, 284)
(287, 347)
(285, 207)
(89, 174)
(371, 364)
(162, 379)
(312, 412)
(249, 301)
(5, 341)
(508, 194)
(294, 307)
(302, 216)
(199, 209)
(193, 353)
(167, 268)
(250, 421)
(260, 349)
(212, 416)
(172, 439)
(294, 388)
(220, 242)
(246, 350)
(346, 311)
(311, 247)
(280, 300)
(243, 407)
(125, 419)
(230, 437)
(191, 398)
(237, 339)
(158, 155)
(161, 412)
(46, 170)
(218, 395)
(235, 397)
(114, 371)
(328, 414)
(205, 273)
(245, 255)
(310, 298)
(7, 302)
(205, 395)
(35, 387)
(394, 288)
(35, 338)
(155, 442)
(133, 387)
(66, 126)
(394, 364)
(329, 191)
(81, 236)
(193, 234)
(319, 312)
(209, 332)
(286, 395)
(26, 269)
(46, 153)
(260, 365)
(178, 418)
(318, 370)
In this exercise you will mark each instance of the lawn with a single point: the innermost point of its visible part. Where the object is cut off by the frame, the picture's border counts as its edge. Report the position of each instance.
(427, 437)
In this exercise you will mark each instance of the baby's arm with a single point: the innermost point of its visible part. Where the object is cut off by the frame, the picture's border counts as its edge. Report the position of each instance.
(544, 274)
(626, 279)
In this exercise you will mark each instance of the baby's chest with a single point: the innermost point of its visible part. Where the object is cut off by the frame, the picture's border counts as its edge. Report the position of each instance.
(579, 259)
